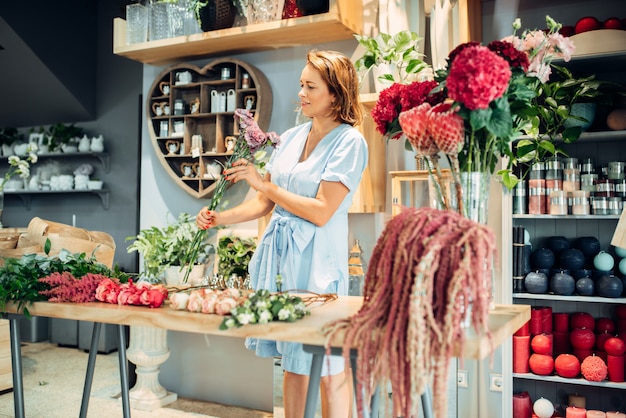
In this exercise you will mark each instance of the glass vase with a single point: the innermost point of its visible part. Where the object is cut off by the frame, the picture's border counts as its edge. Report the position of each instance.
(159, 27)
(475, 195)
(260, 11)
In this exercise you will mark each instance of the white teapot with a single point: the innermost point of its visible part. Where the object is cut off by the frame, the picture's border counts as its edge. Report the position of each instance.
(84, 145)
(97, 144)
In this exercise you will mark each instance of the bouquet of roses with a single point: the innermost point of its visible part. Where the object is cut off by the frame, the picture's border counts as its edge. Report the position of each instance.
(251, 145)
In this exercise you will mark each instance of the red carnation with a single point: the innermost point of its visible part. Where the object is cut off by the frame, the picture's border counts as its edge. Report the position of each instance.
(477, 77)
(387, 107)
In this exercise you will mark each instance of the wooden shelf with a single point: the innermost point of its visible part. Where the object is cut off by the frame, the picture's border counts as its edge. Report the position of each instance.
(370, 196)
(343, 20)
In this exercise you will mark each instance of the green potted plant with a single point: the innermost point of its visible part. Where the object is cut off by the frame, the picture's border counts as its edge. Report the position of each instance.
(8, 137)
(61, 134)
(563, 109)
(161, 248)
(400, 52)
(234, 254)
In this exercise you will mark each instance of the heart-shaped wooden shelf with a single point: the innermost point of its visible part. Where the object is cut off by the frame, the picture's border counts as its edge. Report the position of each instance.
(191, 117)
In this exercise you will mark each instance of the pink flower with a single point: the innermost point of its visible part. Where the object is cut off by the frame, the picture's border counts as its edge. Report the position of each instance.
(477, 77)
(447, 128)
(414, 123)
(224, 305)
(208, 303)
(108, 290)
(179, 300)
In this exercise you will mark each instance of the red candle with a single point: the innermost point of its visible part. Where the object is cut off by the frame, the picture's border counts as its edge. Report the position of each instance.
(561, 343)
(524, 330)
(615, 364)
(536, 320)
(595, 414)
(546, 326)
(522, 407)
(574, 412)
(560, 322)
(582, 354)
(521, 353)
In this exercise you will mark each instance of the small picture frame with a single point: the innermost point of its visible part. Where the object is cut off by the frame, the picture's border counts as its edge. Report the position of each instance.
(194, 106)
(249, 102)
(36, 138)
(172, 146)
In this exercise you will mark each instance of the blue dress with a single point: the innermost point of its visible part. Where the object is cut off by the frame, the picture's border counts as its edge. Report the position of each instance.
(308, 257)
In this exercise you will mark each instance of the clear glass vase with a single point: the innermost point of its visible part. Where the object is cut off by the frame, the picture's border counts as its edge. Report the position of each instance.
(475, 187)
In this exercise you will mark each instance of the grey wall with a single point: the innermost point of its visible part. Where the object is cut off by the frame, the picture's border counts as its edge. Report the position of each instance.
(66, 41)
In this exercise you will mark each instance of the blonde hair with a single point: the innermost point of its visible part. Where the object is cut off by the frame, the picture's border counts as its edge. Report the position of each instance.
(340, 76)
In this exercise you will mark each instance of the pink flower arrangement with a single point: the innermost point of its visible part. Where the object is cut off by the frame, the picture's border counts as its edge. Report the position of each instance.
(208, 301)
(110, 290)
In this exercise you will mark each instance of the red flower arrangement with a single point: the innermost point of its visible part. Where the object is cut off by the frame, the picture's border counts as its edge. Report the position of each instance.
(489, 93)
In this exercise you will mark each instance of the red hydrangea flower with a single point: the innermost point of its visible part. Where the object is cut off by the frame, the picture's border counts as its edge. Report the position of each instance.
(456, 51)
(507, 50)
(478, 76)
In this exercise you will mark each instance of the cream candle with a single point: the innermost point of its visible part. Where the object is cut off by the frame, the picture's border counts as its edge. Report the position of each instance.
(595, 414)
(574, 412)
(615, 414)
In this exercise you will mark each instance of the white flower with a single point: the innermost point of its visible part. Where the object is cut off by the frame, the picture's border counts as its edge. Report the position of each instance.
(284, 314)
(265, 316)
(246, 318)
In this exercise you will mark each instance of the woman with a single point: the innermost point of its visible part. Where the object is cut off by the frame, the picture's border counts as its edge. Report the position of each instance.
(309, 184)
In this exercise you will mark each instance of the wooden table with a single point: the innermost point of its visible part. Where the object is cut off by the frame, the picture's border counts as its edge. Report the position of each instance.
(504, 320)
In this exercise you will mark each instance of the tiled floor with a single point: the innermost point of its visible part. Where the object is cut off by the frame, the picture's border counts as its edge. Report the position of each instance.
(54, 378)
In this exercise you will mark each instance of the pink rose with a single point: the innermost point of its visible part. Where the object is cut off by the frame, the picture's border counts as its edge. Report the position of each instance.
(208, 303)
(225, 305)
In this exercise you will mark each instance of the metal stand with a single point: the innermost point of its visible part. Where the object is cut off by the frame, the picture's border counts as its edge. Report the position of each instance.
(18, 380)
(369, 411)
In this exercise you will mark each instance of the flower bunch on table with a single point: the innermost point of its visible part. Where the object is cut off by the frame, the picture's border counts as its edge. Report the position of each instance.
(262, 306)
(478, 105)
(143, 293)
(208, 301)
(252, 144)
(19, 166)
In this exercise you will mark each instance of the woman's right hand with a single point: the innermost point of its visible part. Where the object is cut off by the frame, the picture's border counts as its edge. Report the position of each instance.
(206, 219)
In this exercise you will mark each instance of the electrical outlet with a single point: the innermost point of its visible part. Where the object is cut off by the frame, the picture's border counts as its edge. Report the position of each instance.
(496, 383)
(462, 379)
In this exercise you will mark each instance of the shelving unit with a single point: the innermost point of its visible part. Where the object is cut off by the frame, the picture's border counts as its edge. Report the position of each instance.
(201, 115)
(103, 159)
(343, 20)
(602, 147)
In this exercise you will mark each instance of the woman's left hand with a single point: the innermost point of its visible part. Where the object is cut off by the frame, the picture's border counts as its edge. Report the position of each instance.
(243, 169)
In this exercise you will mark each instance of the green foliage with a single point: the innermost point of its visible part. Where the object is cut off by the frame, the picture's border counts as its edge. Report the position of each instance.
(234, 255)
(167, 246)
(400, 50)
(19, 277)
(9, 136)
(60, 134)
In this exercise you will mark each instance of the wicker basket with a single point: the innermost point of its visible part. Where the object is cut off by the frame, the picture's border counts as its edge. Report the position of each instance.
(217, 14)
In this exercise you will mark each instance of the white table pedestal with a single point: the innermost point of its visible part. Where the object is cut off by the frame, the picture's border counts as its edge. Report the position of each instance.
(148, 350)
